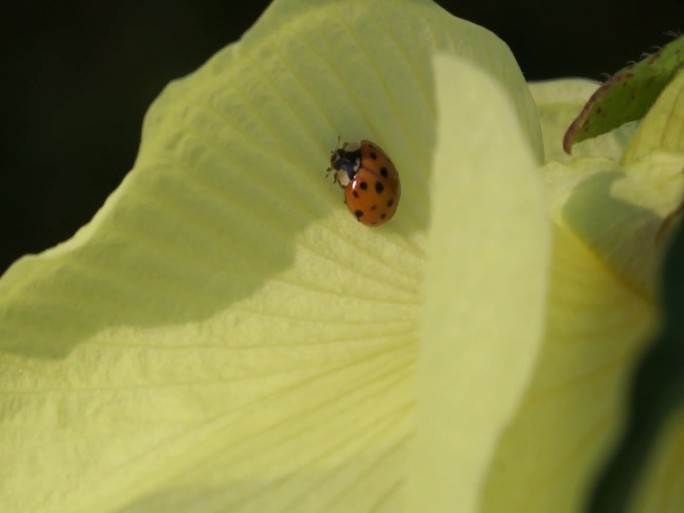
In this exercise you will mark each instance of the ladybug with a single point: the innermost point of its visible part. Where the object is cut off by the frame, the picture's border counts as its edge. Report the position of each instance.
(369, 179)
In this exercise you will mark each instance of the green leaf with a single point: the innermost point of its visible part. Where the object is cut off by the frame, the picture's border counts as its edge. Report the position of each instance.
(627, 95)
(558, 102)
(485, 288)
(662, 128)
(224, 335)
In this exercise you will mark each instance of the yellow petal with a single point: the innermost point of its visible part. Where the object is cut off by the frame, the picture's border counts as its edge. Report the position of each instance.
(573, 409)
(224, 336)
(486, 280)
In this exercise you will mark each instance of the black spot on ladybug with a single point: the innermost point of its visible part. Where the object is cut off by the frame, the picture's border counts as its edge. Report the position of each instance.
(355, 193)
(379, 187)
(364, 185)
(383, 216)
(374, 207)
(390, 202)
(383, 172)
(373, 155)
(358, 214)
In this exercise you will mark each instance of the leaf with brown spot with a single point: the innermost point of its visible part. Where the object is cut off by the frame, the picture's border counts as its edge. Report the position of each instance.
(627, 95)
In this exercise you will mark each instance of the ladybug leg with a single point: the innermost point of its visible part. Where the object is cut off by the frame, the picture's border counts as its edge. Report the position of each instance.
(335, 179)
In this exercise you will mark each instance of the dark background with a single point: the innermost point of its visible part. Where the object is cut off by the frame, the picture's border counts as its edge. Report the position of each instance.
(77, 78)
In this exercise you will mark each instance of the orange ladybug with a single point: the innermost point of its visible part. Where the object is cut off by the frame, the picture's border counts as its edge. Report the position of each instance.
(369, 179)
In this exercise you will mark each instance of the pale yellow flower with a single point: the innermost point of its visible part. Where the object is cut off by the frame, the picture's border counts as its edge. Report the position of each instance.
(223, 336)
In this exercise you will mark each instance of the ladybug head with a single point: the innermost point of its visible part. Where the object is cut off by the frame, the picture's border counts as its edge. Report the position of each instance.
(347, 159)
